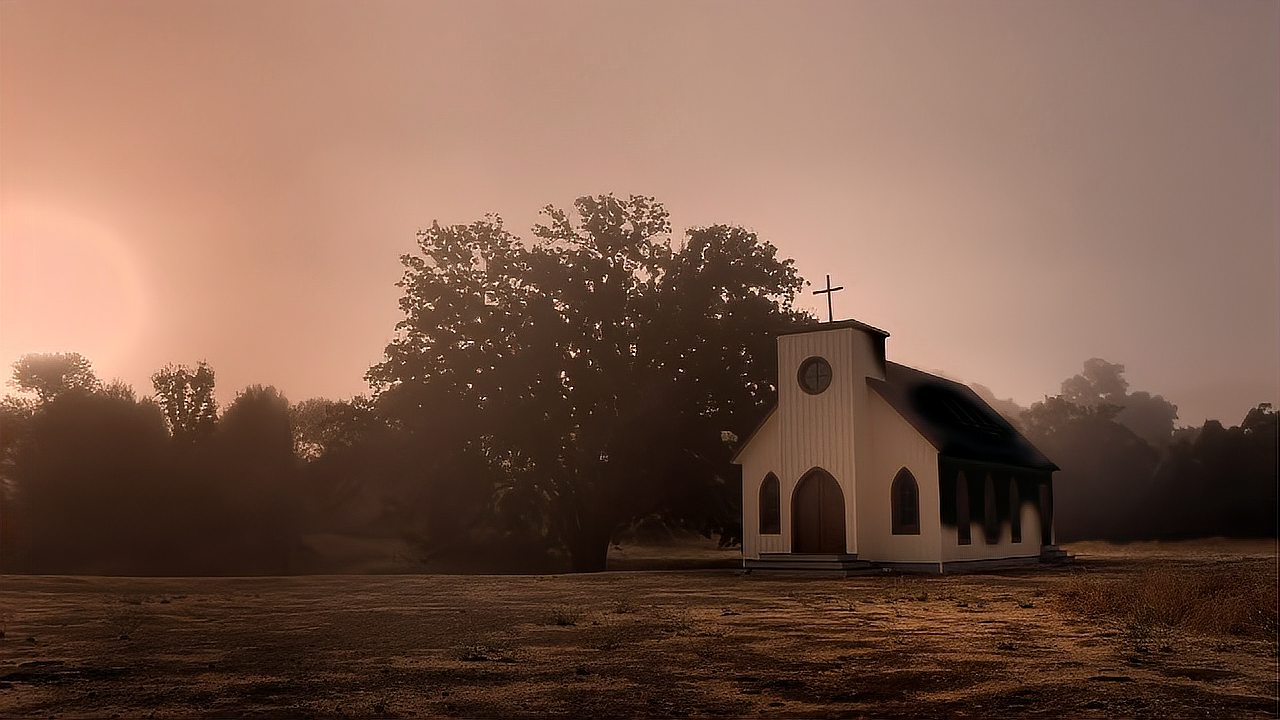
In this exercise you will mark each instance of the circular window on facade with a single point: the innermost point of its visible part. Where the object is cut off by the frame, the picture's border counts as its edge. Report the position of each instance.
(814, 375)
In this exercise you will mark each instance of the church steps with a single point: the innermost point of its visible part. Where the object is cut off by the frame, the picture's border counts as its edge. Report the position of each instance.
(1054, 555)
(849, 564)
(839, 563)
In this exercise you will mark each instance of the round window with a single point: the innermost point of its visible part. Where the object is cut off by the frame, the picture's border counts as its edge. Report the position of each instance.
(814, 375)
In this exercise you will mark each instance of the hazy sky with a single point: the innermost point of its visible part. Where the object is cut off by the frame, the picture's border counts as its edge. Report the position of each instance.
(1008, 188)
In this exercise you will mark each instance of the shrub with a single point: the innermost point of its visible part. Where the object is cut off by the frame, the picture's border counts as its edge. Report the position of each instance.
(1228, 601)
(564, 615)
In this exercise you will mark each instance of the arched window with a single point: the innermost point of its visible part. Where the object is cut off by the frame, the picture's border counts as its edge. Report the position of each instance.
(905, 501)
(1015, 511)
(990, 516)
(770, 506)
(962, 510)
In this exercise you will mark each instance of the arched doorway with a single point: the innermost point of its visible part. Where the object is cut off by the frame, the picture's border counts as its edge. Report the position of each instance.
(817, 514)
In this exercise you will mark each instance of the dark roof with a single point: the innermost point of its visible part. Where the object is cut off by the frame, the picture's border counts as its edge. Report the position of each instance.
(955, 420)
(837, 325)
(752, 435)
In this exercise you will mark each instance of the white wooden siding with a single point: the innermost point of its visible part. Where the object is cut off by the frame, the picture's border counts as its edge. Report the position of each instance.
(895, 444)
(820, 430)
(758, 459)
(978, 547)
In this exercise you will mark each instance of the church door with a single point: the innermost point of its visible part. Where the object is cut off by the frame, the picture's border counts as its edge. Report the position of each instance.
(817, 515)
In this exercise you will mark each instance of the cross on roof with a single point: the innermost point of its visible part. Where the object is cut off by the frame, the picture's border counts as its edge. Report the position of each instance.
(828, 290)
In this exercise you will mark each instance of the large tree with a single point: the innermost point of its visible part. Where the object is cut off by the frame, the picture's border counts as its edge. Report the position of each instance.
(1102, 383)
(252, 451)
(51, 375)
(185, 395)
(593, 371)
(1222, 481)
(88, 480)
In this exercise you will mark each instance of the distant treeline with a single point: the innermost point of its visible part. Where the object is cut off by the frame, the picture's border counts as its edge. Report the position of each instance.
(97, 480)
(540, 398)
(1129, 473)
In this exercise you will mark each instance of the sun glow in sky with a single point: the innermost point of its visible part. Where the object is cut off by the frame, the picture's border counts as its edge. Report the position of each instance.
(66, 282)
(1009, 188)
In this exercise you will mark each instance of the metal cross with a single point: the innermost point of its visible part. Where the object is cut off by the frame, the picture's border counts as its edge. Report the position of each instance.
(828, 291)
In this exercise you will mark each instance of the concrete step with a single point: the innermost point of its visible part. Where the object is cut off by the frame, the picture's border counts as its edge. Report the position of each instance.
(1054, 555)
(840, 563)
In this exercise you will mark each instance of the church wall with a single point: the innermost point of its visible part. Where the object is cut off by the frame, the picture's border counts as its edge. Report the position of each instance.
(1000, 545)
(869, 351)
(819, 430)
(892, 445)
(759, 459)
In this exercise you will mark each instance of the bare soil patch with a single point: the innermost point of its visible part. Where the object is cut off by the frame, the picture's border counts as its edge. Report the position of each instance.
(656, 643)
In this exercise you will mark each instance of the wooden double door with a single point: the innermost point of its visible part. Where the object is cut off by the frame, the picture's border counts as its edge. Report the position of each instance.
(817, 515)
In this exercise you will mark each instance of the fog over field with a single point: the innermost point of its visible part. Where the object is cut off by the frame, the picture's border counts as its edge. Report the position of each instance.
(383, 359)
(1009, 188)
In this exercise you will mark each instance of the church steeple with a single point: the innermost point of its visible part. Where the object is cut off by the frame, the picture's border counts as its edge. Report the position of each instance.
(828, 290)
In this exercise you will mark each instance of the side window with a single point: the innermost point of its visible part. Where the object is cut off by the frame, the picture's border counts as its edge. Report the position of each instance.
(770, 506)
(962, 510)
(990, 512)
(1015, 510)
(905, 504)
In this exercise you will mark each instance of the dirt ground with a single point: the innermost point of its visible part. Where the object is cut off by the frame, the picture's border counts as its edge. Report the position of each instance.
(632, 643)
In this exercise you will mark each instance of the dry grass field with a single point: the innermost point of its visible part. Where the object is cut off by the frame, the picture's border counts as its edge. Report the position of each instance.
(1144, 630)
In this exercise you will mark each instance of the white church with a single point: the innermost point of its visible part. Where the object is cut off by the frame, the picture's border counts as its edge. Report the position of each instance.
(866, 464)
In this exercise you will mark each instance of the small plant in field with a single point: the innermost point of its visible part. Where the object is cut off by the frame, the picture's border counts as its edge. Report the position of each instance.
(486, 652)
(1006, 645)
(678, 622)
(624, 606)
(565, 615)
(1146, 636)
(6, 618)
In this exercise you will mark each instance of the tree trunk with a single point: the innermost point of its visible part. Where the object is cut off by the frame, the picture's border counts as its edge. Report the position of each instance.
(589, 547)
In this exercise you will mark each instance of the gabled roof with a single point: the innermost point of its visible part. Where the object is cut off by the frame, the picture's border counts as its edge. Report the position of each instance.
(955, 420)
(742, 446)
(836, 325)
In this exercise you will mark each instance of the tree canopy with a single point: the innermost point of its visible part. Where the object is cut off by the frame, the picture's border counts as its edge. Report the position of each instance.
(593, 369)
(50, 375)
(186, 398)
(1101, 387)
(1126, 474)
